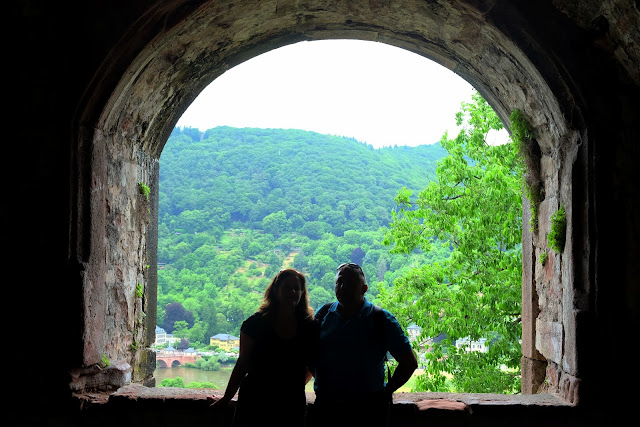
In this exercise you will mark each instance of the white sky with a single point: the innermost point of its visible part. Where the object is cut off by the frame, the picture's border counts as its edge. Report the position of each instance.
(375, 93)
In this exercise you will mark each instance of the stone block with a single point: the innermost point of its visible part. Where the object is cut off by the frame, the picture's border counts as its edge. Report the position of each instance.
(114, 376)
(545, 209)
(570, 388)
(533, 374)
(549, 339)
(553, 377)
(529, 295)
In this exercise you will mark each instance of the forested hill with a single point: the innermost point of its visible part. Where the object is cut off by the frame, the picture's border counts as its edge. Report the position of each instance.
(239, 176)
(237, 205)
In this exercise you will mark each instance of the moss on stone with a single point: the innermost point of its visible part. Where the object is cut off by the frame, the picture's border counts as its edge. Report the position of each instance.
(522, 135)
(557, 235)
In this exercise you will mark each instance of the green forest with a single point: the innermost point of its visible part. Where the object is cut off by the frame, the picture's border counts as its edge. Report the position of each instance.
(238, 205)
(437, 229)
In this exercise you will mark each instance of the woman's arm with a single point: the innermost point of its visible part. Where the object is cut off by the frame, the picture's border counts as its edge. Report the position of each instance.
(239, 370)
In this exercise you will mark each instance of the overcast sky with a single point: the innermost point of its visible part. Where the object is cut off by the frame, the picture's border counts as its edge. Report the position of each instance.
(375, 93)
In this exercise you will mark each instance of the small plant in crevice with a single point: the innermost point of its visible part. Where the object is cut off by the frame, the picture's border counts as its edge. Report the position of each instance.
(558, 233)
(104, 361)
(144, 189)
(139, 290)
(522, 134)
(543, 258)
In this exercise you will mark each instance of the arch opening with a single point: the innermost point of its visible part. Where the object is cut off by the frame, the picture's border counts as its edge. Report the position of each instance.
(164, 78)
(251, 95)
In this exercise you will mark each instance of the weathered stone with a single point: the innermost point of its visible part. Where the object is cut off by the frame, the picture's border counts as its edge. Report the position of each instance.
(570, 389)
(533, 373)
(112, 377)
(549, 340)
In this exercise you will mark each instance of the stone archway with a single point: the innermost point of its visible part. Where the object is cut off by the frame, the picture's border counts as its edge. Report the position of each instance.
(173, 53)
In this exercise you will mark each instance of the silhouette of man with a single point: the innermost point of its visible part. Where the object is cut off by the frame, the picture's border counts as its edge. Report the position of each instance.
(353, 343)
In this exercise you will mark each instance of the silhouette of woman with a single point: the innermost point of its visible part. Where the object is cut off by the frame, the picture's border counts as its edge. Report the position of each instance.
(277, 344)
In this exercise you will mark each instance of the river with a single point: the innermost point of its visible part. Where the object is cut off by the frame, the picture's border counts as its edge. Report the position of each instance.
(219, 378)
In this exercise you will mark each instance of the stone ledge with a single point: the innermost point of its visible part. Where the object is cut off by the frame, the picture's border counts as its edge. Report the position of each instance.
(158, 405)
(135, 405)
(138, 393)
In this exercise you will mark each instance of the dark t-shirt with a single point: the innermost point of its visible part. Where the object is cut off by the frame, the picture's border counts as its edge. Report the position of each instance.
(278, 366)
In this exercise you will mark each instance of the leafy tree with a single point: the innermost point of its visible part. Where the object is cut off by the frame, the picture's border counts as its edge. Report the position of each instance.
(172, 382)
(275, 223)
(313, 229)
(181, 329)
(207, 363)
(319, 265)
(475, 208)
(357, 255)
(319, 296)
(183, 344)
(175, 312)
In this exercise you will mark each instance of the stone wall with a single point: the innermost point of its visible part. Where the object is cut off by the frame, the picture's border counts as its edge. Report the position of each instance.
(106, 82)
(484, 43)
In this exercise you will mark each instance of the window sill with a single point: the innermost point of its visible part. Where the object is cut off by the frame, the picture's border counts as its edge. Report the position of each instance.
(150, 403)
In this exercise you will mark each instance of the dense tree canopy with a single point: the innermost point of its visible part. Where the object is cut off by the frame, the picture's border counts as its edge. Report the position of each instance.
(474, 207)
(237, 205)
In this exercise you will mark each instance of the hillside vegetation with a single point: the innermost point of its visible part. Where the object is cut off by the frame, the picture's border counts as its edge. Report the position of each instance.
(237, 205)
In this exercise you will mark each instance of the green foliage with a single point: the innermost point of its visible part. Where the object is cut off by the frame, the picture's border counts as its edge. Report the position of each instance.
(139, 290)
(558, 232)
(206, 363)
(475, 209)
(237, 205)
(543, 258)
(522, 136)
(172, 382)
(204, 384)
(520, 127)
(144, 190)
(104, 361)
(179, 383)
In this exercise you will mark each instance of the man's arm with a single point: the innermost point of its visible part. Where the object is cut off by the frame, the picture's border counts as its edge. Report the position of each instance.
(400, 348)
(407, 364)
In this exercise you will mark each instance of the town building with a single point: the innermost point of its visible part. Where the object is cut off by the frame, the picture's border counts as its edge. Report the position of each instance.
(163, 338)
(225, 341)
(468, 345)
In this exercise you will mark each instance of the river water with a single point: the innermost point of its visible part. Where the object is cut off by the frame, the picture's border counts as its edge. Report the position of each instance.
(219, 378)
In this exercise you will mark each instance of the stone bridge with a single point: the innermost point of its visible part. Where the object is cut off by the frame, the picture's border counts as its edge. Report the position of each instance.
(178, 359)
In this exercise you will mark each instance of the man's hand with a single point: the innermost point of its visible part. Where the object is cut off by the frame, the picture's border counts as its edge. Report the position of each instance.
(407, 364)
